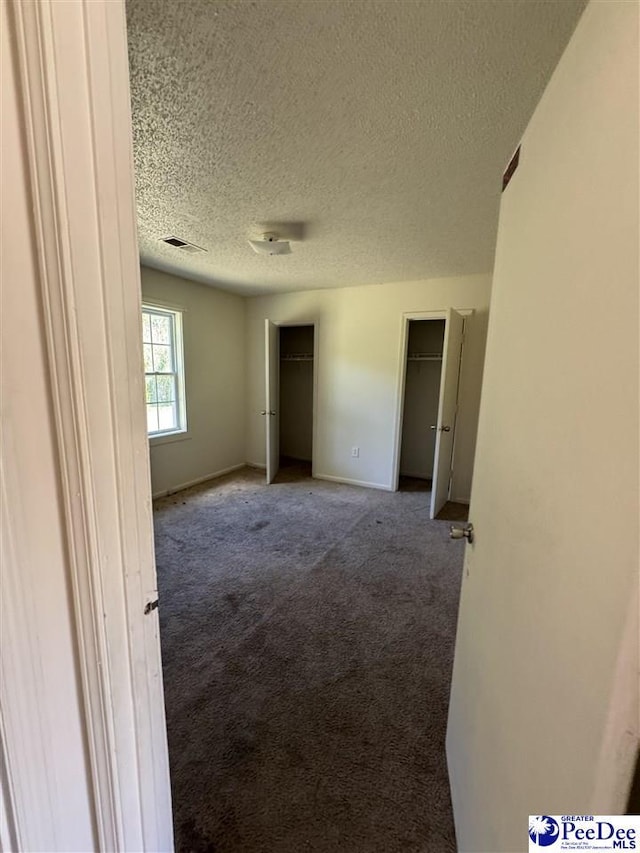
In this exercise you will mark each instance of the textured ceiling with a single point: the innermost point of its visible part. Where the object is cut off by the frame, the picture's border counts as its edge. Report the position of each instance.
(380, 127)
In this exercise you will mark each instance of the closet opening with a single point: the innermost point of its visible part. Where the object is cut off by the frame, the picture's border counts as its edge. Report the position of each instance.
(296, 393)
(420, 406)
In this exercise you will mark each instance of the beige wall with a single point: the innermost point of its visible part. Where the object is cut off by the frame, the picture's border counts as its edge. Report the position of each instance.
(544, 703)
(41, 715)
(214, 351)
(358, 371)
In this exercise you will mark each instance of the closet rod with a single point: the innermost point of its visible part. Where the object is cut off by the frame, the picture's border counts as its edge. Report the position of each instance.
(424, 356)
(302, 356)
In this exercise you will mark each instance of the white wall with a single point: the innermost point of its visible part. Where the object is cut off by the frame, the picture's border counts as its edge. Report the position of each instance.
(359, 367)
(544, 703)
(214, 351)
(40, 690)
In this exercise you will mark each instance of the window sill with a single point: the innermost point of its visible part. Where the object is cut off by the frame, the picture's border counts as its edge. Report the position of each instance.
(168, 438)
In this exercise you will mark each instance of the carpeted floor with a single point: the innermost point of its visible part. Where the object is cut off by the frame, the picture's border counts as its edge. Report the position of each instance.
(307, 638)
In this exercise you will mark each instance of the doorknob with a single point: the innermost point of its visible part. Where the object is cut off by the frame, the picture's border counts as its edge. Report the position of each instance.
(464, 531)
(440, 429)
(265, 412)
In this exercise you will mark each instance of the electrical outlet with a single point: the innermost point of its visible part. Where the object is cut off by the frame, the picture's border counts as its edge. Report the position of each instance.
(355, 452)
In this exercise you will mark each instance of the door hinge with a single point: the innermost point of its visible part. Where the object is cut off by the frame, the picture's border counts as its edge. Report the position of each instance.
(149, 606)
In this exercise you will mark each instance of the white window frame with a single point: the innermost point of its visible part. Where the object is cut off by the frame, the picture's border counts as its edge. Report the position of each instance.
(177, 349)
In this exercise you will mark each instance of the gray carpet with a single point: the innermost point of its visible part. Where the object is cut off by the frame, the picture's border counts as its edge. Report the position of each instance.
(307, 638)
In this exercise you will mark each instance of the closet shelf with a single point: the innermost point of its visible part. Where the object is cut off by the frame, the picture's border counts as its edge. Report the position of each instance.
(298, 356)
(424, 356)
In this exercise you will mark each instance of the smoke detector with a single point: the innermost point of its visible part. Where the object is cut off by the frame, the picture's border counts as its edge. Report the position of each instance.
(270, 245)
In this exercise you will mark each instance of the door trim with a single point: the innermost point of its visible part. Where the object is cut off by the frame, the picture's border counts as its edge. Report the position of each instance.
(73, 68)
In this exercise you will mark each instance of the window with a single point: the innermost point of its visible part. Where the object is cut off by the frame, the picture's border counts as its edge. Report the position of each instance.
(163, 370)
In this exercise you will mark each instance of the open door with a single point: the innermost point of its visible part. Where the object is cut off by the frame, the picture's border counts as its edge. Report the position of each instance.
(272, 363)
(446, 422)
(544, 704)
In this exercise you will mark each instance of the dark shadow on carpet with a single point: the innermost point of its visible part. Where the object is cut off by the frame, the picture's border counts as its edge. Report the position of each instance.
(414, 484)
(292, 470)
(307, 636)
(453, 511)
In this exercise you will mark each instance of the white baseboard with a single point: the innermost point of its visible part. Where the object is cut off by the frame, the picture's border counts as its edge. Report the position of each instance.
(385, 487)
(259, 465)
(173, 489)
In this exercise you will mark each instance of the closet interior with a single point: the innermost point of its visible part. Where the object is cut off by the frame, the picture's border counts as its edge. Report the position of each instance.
(296, 394)
(421, 396)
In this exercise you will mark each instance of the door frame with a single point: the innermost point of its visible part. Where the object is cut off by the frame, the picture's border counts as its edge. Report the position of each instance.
(316, 350)
(73, 71)
(405, 319)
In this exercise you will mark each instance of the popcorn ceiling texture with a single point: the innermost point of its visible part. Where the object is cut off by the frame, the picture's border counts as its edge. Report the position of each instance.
(383, 127)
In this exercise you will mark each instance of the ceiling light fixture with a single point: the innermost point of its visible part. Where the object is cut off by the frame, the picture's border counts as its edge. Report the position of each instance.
(270, 245)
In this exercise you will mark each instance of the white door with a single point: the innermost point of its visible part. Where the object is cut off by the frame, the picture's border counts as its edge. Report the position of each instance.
(446, 423)
(272, 382)
(544, 699)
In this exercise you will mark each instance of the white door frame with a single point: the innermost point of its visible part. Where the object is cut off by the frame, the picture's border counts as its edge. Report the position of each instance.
(74, 82)
(405, 319)
(316, 350)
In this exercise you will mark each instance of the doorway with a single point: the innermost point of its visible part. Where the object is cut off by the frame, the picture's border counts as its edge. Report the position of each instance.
(290, 398)
(296, 398)
(428, 403)
(420, 407)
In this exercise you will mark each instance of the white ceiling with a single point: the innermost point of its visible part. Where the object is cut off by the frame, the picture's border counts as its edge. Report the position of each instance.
(380, 127)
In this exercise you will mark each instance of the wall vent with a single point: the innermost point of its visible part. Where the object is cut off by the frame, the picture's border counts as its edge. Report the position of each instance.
(183, 245)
